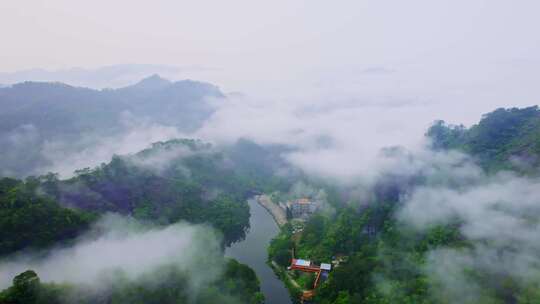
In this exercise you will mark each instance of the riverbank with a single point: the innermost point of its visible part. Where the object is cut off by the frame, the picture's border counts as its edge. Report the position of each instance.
(295, 291)
(253, 252)
(279, 215)
(280, 218)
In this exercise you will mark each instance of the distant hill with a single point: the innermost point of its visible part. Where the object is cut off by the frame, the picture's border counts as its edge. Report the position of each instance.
(113, 76)
(38, 113)
(44, 105)
(503, 139)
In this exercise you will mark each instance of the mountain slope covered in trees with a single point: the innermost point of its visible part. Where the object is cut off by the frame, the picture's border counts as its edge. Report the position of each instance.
(178, 180)
(503, 139)
(385, 256)
(40, 120)
(172, 181)
(30, 221)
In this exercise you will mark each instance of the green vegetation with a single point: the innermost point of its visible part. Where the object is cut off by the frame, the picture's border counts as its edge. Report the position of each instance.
(280, 246)
(304, 279)
(172, 181)
(178, 180)
(31, 221)
(237, 284)
(504, 139)
(374, 255)
(193, 184)
(383, 260)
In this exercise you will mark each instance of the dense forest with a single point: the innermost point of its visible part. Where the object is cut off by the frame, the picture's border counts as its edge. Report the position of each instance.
(178, 180)
(171, 181)
(386, 260)
(283, 152)
(383, 258)
(30, 221)
(503, 139)
(237, 284)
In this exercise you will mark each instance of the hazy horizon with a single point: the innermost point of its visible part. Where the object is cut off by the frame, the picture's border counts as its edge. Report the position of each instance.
(479, 52)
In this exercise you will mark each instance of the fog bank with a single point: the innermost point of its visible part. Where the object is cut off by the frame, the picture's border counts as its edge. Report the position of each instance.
(122, 245)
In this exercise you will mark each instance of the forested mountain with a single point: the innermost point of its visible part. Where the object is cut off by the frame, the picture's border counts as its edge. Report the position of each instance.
(174, 180)
(30, 221)
(37, 116)
(474, 185)
(463, 251)
(503, 139)
(178, 180)
(284, 152)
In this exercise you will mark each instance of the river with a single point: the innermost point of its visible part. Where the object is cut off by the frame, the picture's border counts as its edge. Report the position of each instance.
(253, 252)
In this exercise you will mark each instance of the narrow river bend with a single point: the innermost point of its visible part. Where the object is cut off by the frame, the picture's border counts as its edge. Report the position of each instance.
(253, 252)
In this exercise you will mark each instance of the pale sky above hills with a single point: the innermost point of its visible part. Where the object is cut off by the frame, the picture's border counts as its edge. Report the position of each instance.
(476, 54)
(276, 45)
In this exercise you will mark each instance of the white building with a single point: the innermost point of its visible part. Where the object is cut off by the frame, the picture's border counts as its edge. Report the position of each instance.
(302, 208)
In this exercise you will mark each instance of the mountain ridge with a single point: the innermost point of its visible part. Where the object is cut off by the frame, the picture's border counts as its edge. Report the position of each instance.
(36, 113)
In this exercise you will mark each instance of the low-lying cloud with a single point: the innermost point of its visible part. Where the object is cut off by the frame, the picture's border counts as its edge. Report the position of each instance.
(30, 153)
(334, 138)
(497, 214)
(120, 244)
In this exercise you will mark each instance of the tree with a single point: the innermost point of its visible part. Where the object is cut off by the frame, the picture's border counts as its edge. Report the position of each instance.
(26, 287)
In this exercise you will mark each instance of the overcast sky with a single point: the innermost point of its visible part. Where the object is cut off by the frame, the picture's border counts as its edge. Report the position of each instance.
(276, 41)
(480, 53)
